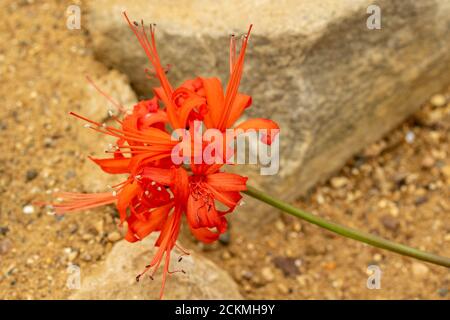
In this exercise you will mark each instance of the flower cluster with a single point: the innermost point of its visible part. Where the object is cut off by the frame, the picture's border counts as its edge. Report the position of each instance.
(157, 193)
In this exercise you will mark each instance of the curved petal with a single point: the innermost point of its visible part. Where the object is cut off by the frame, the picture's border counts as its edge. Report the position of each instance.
(241, 102)
(268, 128)
(225, 181)
(124, 199)
(214, 98)
(139, 229)
(113, 166)
(204, 234)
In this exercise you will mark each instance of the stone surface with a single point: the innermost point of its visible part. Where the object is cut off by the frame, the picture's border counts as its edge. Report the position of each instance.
(116, 277)
(333, 85)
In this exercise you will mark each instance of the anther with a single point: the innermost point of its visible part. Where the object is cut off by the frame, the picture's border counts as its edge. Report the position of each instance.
(87, 125)
(114, 193)
(110, 113)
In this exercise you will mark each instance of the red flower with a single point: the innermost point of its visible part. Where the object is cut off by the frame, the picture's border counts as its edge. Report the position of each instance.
(157, 193)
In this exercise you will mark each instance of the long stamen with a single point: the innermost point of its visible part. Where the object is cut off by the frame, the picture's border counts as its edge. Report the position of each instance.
(119, 106)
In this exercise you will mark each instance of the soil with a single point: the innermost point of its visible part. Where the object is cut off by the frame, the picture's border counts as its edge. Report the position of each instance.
(398, 188)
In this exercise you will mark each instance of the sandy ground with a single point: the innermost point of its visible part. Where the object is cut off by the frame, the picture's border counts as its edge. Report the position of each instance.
(398, 188)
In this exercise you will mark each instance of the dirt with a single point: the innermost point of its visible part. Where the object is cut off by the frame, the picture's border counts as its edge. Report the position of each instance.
(398, 188)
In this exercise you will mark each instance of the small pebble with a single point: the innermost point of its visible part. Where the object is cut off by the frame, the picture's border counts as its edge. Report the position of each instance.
(226, 255)
(419, 269)
(4, 230)
(72, 255)
(428, 162)
(410, 137)
(225, 238)
(86, 257)
(31, 175)
(114, 236)
(267, 274)
(48, 142)
(28, 209)
(283, 289)
(390, 223)
(438, 100)
(5, 246)
(339, 182)
(280, 226)
(377, 257)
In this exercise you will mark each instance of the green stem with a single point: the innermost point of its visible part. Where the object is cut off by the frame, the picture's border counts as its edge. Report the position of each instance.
(349, 232)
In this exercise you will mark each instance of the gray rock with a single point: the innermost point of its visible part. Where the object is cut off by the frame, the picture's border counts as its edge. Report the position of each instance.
(333, 85)
(116, 277)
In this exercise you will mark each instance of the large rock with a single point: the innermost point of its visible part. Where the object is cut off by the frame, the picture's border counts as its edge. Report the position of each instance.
(116, 277)
(332, 84)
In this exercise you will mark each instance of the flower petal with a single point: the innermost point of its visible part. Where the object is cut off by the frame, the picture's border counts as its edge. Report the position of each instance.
(271, 128)
(113, 166)
(215, 98)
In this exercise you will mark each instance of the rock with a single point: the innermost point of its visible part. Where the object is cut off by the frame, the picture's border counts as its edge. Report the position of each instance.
(339, 182)
(390, 222)
(31, 175)
(333, 85)
(428, 162)
(114, 236)
(28, 209)
(225, 238)
(116, 277)
(4, 230)
(289, 266)
(410, 137)
(267, 274)
(5, 246)
(419, 269)
(72, 255)
(438, 100)
(282, 288)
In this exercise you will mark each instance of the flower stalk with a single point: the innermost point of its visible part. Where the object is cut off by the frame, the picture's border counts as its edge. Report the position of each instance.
(361, 236)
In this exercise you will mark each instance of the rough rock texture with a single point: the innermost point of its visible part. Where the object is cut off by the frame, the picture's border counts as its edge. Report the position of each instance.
(314, 66)
(116, 277)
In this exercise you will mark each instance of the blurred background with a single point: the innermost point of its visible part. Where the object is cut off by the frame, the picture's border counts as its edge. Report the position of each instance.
(360, 89)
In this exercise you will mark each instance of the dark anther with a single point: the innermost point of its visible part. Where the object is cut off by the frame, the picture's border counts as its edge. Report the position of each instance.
(138, 277)
(135, 23)
(180, 258)
(151, 277)
(183, 271)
